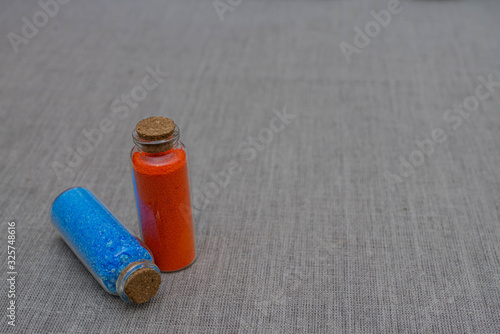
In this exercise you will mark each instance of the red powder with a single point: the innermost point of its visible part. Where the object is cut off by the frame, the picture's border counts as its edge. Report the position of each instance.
(162, 191)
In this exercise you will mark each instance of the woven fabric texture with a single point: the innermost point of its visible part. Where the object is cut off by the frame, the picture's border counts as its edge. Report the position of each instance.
(336, 190)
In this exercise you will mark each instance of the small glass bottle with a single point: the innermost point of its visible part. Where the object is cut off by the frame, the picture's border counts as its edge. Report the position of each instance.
(161, 184)
(117, 260)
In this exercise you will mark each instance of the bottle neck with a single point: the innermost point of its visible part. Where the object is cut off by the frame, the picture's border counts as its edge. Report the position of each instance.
(156, 146)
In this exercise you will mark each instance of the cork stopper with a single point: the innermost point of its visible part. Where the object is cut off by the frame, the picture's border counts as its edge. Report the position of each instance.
(155, 134)
(142, 285)
(155, 128)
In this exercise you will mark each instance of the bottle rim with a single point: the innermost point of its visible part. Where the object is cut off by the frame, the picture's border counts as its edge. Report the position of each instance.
(129, 270)
(154, 145)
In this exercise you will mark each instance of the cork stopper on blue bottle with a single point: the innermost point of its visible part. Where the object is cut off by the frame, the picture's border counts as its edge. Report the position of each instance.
(117, 260)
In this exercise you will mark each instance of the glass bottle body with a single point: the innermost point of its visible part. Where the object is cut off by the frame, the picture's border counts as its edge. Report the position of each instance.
(106, 248)
(162, 191)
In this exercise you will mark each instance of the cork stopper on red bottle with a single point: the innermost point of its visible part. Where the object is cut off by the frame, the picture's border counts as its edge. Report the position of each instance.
(153, 129)
(142, 285)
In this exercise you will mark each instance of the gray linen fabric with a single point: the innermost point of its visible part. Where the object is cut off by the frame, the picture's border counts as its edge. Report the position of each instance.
(321, 229)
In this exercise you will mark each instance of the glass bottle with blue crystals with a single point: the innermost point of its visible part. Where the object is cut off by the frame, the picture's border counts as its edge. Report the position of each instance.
(119, 261)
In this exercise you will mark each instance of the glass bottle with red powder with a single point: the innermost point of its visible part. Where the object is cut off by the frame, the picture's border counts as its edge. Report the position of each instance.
(161, 184)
